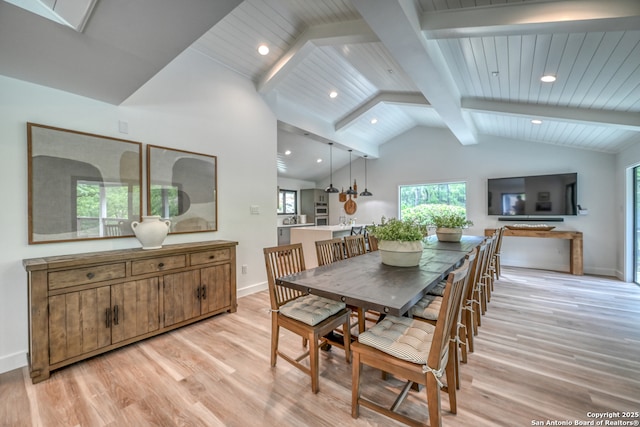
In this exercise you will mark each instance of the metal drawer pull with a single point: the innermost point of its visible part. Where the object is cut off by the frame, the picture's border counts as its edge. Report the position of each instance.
(204, 292)
(115, 315)
(212, 256)
(90, 275)
(161, 265)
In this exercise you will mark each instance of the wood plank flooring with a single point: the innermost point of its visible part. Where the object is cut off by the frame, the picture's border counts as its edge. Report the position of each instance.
(551, 347)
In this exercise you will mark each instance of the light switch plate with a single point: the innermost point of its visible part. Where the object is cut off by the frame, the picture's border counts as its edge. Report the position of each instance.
(255, 210)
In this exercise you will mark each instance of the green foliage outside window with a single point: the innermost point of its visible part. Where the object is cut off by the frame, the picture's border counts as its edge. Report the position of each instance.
(419, 202)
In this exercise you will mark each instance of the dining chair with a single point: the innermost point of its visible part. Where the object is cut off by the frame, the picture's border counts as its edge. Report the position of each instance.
(413, 350)
(488, 277)
(310, 316)
(428, 309)
(480, 289)
(470, 304)
(354, 245)
(113, 230)
(330, 250)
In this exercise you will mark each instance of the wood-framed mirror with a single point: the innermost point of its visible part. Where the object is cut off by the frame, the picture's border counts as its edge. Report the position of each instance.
(82, 186)
(182, 187)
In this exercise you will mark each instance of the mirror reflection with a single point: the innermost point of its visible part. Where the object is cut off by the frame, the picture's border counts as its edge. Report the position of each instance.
(81, 186)
(182, 189)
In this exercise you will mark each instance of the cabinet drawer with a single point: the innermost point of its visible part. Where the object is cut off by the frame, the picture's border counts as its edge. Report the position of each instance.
(81, 276)
(210, 256)
(153, 265)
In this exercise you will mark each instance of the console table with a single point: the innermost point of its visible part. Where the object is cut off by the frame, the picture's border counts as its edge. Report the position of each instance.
(574, 237)
(86, 304)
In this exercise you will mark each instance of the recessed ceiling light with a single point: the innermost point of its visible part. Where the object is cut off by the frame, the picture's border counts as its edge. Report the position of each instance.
(374, 121)
(548, 78)
(286, 153)
(333, 94)
(319, 161)
(263, 49)
(536, 121)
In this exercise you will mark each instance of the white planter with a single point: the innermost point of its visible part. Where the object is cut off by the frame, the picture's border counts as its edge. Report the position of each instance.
(400, 254)
(449, 234)
(151, 232)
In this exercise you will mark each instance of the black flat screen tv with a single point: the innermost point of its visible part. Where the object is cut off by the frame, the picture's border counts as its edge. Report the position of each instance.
(538, 195)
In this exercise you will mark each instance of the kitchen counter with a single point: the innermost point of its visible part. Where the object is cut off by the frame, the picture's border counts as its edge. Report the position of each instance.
(308, 236)
(309, 224)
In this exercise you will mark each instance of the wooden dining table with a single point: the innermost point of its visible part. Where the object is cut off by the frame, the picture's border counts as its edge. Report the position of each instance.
(363, 281)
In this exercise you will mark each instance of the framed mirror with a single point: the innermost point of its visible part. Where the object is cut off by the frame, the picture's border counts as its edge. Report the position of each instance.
(182, 187)
(81, 186)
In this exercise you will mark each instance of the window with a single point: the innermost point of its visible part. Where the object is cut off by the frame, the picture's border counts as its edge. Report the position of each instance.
(99, 204)
(287, 202)
(415, 199)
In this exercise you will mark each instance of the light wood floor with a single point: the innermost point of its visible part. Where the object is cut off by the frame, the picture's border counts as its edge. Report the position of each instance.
(551, 347)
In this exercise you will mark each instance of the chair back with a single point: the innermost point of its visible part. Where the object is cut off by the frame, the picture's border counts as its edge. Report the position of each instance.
(355, 245)
(282, 261)
(467, 289)
(356, 230)
(498, 236)
(329, 251)
(447, 317)
(475, 271)
(373, 242)
(486, 262)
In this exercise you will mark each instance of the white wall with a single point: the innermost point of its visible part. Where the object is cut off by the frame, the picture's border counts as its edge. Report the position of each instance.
(193, 104)
(425, 155)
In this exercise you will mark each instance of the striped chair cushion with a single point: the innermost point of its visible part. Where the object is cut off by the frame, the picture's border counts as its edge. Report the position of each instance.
(311, 309)
(428, 307)
(404, 338)
(438, 290)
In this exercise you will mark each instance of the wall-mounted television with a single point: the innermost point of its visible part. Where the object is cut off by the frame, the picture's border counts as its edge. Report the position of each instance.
(538, 195)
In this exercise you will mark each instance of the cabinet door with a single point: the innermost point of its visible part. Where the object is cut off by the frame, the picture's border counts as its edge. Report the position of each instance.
(79, 322)
(216, 281)
(180, 296)
(135, 309)
(284, 235)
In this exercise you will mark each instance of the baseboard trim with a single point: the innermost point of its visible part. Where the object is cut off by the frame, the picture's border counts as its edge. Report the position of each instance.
(13, 361)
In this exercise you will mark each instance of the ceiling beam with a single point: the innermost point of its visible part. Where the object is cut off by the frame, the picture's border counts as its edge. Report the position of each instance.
(398, 98)
(349, 32)
(573, 16)
(618, 119)
(397, 25)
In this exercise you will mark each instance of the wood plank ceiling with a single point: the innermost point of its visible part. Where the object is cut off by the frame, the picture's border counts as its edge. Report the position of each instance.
(472, 66)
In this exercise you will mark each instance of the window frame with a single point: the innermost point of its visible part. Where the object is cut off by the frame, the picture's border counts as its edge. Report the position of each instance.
(282, 192)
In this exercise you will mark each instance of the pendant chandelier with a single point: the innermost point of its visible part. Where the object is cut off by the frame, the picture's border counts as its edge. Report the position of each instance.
(365, 192)
(331, 188)
(350, 191)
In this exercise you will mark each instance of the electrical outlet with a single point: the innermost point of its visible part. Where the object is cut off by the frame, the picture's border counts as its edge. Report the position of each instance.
(244, 268)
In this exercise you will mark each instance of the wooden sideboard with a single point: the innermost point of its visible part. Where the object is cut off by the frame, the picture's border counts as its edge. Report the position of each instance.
(86, 304)
(574, 237)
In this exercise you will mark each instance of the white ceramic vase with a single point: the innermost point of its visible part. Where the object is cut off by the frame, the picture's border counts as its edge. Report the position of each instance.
(400, 254)
(151, 232)
(449, 234)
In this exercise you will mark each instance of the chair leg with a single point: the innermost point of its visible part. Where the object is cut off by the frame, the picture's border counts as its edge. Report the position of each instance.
(346, 337)
(451, 377)
(470, 328)
(314, 365)
(275, 334)
(462, 335)
(355, 385)
(433, 401)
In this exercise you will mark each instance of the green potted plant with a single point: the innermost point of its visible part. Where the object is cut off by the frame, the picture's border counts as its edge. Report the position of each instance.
(449, 222)
(399, 241)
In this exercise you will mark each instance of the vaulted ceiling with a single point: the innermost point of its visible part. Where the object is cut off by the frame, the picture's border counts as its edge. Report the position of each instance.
(471, 66)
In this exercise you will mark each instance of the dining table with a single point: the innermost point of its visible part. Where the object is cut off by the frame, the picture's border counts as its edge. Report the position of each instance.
(364, 282)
